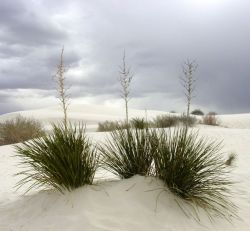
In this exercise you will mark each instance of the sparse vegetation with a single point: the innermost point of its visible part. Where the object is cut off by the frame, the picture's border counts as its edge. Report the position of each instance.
(139, 123)
(165, 121)
(20, 129)
(191, 167)
(210, 119)
(128, 152)
(63, 160)
(161, 121)
(197, 112)
(108, 126)
(194, 170)
(188, 121)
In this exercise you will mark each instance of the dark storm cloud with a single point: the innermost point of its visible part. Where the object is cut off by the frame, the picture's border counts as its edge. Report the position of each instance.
(21, 25)
(160, 39)
(35, 69)
(227, 89)
(158, 36)
(30, 45)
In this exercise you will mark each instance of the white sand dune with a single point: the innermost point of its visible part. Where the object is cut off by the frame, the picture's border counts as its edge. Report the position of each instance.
(92, 114)
(235, 121)
(88, 114)
(124, 205)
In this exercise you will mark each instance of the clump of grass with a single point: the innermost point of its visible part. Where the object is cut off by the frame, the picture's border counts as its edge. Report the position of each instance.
(108, 126)
(165, 121)
(20, 129)
(63, 160)
(194, 170)
(139, 123)
(210, 119)
(128, 152)
(188, 121)
(161, 121)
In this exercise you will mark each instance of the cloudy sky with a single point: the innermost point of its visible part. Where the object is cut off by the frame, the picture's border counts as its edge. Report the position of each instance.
(158, 35)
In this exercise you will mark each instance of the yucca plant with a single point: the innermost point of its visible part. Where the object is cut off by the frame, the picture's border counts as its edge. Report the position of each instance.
(188, 121)
(127, 152)
(165, 121)
(194, 170)
(108, 126)
(139, 123)
(63, 160)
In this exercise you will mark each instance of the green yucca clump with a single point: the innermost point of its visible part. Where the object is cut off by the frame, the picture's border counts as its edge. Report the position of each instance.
(128, 152)
(188, 121)
(139, 123)
(193, 169)
(63, 160)
(165, 121)
(107, 126)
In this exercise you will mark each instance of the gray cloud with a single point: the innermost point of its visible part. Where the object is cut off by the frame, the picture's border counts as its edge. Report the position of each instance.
(158, 37)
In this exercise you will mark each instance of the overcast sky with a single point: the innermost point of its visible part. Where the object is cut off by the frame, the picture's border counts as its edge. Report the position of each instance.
(158, 35)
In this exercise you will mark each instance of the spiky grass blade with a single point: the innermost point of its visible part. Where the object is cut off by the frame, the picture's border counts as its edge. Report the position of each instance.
(193, 168)
(63, 160)
(128, 152)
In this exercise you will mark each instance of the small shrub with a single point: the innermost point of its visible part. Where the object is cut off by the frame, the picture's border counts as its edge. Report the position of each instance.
(128, 152)
(210, 119)
(63, 160)
(139, 123)
(165, 121)
(187, 120)
(194, 170)
(197, 112)
(20, 129)
(212, 113)
(108, 126)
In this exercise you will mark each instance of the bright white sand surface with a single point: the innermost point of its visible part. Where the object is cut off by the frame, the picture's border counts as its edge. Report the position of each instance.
(125, 205)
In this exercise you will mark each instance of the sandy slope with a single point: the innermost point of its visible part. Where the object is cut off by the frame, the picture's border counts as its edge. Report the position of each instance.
(132, 204)
(235, 121)
(121, 205)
